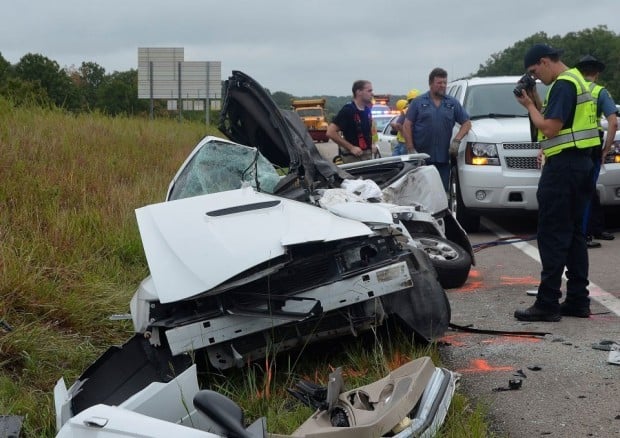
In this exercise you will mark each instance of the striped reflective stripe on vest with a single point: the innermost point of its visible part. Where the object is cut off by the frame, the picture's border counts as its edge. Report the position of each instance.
(595, 91)
(570, 137)
(584, 130)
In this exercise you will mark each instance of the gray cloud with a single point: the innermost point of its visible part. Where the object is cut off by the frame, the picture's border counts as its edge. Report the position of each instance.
(303, 48)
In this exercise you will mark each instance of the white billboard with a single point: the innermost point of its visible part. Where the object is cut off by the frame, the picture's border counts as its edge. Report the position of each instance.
(201, 79)
(163, 73)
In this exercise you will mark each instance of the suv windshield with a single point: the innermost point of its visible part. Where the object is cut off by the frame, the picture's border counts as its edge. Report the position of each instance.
(495, 100)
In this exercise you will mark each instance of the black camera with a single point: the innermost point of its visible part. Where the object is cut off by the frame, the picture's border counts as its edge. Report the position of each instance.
(526, 82)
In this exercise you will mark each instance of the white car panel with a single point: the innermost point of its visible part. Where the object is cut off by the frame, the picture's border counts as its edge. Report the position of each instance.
(181, 238)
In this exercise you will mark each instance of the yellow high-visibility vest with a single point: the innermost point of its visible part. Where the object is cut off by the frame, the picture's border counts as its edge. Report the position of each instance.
(584, 131)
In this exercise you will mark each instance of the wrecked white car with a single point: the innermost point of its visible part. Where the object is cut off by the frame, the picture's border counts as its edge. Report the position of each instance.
(250, 117)
(245, 258)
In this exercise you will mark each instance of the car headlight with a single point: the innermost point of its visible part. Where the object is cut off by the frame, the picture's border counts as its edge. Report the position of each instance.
(481, 154)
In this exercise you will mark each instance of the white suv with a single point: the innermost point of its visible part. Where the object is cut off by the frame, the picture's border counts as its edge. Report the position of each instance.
(495, 169)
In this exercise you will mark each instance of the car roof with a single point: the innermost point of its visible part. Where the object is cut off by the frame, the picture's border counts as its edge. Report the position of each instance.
(488, 80)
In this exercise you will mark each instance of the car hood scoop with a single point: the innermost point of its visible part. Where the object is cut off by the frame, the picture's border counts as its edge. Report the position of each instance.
(195, 244)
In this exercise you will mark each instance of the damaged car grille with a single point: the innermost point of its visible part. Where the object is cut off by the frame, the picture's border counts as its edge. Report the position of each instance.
(305, 267)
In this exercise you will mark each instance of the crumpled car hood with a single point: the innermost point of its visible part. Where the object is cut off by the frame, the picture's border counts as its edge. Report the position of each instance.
(196, 243)
(249, 116)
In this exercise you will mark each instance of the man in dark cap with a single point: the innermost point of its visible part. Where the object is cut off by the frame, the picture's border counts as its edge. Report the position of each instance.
(567, 132)
(594, 222)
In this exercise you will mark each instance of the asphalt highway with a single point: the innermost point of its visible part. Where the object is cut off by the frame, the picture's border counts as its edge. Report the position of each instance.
(567, 387)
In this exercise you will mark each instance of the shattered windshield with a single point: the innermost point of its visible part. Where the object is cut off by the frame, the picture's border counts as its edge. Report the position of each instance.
(219, 166)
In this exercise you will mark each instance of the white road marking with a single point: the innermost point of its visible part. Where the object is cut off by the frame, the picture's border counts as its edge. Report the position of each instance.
(596, 293)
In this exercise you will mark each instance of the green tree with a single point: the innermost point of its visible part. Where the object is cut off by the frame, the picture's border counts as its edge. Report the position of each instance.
(5, 67)
(118, 94)
(88, 78)
(282, 99)
(598, 41)
(24, 93)
(41, 70)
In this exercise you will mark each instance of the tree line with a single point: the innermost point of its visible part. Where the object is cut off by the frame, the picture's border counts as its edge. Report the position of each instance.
(36, 79)
(39, 80)
(598, 41)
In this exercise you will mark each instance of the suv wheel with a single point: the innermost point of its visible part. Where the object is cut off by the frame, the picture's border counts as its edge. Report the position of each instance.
(468, 220)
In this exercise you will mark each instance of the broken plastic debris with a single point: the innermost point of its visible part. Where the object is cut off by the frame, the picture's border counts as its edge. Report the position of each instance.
(614, 355)
(605, 345)
(10, 425)
(402, 425)
(513, 385)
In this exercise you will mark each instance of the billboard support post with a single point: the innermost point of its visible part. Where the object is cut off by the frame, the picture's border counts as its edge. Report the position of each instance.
(180, 102)
(151, 88)
(207, 105)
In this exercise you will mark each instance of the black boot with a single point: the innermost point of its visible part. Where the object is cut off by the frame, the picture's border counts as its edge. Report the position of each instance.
(591, 243)
(534, 313)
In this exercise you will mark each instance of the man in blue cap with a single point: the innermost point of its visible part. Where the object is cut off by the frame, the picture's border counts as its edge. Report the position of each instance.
(567, 132)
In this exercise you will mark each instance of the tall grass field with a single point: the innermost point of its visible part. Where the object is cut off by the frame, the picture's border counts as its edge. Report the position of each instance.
(71, 256)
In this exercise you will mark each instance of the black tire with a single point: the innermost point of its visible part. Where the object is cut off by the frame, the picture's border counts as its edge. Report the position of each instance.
(450, 260)
(468, 220)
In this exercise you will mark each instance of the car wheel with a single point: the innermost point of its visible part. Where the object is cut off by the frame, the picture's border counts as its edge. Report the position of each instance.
(450, 260)
(468, 220)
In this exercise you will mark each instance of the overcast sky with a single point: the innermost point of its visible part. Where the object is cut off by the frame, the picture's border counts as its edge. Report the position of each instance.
(309, 47)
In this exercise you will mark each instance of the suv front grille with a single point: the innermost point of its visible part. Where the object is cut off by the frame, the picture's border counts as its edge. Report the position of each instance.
(521, 163)
(521, 146)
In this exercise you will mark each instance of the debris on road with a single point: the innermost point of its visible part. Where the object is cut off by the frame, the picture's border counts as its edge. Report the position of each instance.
(604, 345)
(614, 355)
(513, 385)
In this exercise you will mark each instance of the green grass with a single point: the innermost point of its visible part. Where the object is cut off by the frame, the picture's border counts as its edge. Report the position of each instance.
(71, 255)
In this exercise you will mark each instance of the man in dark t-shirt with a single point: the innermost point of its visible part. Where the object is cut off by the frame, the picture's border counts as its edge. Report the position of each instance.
(354, 121)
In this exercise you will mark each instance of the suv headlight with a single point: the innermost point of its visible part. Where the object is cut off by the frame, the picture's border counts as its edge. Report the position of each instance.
(481, 154)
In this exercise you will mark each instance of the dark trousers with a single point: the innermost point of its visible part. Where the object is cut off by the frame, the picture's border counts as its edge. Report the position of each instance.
(564, 190)
(593, 220)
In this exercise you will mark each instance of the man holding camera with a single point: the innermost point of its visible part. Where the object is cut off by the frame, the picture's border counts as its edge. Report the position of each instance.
(566, 127)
